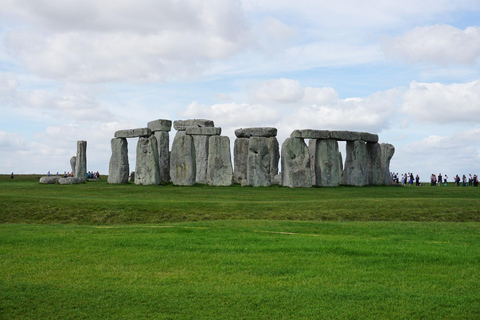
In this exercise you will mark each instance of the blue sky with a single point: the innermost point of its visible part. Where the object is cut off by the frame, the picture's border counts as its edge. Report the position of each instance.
(80, 70)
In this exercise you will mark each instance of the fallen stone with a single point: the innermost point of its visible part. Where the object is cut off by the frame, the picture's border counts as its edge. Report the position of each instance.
(81, 160)
(274, 150)
(205, 131)
(201, 158)
(163, 146)
(160, 125)
(146, 169)
(73, 161)
(375, 174)
(345, 135)
(355, 172)
(256, 132)
(133, 133)
(310, 134)
(295, 164)
(258, 162)
(49, 179)
(327, 163)
(118, 168)
(387, 151)
(71, 180)
(182, 160)
(220, 171)
(240, 159)
(181, 125)
(369, 137)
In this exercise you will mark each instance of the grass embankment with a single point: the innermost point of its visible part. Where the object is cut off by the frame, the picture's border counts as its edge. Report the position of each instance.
(99, 251)
(24, 200)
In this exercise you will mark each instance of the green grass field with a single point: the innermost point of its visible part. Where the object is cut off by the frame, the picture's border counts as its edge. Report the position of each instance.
(99, 251)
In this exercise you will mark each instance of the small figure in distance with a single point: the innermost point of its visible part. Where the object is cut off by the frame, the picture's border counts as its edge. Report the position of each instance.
(445, 180)
(48, 173)
(11, 176)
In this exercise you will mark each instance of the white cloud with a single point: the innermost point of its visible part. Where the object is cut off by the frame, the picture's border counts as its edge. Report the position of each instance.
(438, 44)
(443, 104)
(111, 40)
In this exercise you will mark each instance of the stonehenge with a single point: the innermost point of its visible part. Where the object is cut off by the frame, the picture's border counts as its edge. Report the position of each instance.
(201, 155)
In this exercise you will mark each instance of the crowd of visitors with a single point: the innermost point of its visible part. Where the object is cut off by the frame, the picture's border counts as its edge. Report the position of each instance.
(90, 174)
(408, 179)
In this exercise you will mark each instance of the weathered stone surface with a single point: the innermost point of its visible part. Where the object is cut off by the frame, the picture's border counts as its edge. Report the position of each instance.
(240, 158)
(295, 164)
(277, 179)
(369, 137)
(73, 161)
(71, 180)
(355, 172)
(118, 168)
(160, 125)
(387, 151)
(201, 158)
(312, 151)
(146, 169)
(256, 132)
(81, 160)
(345, 135)
(220, 171)
(205, 131)
(163, 146)
(258, 162)
(375, 174)
(310, 134)
(274, 150)
(181, 125)
(182, 160)
(49, 179)
(327, 163)
(133, 133)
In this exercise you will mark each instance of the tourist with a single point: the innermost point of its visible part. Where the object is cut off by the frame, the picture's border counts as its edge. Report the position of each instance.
(445, 180)
(475, 180)
(48, 173)
(457, 180)
(11, 176)
(439, 179)
(464, 181)
(417, 180)
(470, 180)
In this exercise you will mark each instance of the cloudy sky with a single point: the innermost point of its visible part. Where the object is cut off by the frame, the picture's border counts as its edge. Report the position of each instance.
(80, 70)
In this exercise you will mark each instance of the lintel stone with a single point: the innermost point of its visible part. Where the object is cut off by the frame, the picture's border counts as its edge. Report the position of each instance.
(204, 131)
(133, 133)
(160, 125)
(181, 125)
(346, 135)
(310, 134)
(369, 137)
(256, 132)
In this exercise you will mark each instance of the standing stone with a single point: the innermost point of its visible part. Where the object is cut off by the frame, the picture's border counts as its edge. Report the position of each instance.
(73, 161)
(274, 150)
(146, 169)
(201, 158)
(375, 173)
(163, 145)
(312, 151)
(220, 171)
(387, 151)
(356, 164)
(296, 164)
(327, 163)
(258, 162)
(182, 160)
(240, 158)
(81, 160)
(118, 169)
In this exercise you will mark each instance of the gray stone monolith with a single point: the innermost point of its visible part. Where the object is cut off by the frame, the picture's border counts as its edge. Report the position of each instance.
(274, 150)
(387, 151)
(375, 174)
(327, 163)
(240, 159)
(81, 160)
(355, 172)
(182, 160)
(201, 158)
(182, 125)
(146, 169)
(310, 134)
(73, 161)
(118, 168)
(258, 162)
(295, 164)
(160, 125)
(49, 179)
(220, 171)
(256, 132)
(163, 145)
(70, 180)
(133, 133)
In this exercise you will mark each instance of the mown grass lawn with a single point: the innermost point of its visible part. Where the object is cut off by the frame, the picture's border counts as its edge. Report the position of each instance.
(97, 251)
